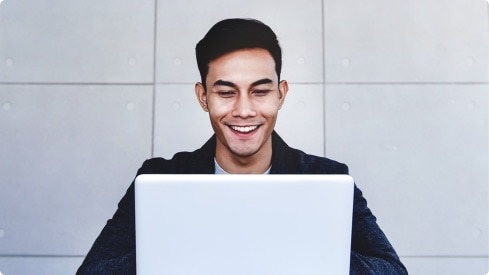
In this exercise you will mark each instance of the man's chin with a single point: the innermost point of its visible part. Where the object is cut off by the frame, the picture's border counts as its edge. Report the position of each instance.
(243, 153)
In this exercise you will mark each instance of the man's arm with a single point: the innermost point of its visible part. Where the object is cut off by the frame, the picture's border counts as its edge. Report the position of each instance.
(371, 252)
(114, 250)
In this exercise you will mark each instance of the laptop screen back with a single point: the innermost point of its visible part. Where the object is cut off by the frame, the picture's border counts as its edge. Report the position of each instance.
(243, 224)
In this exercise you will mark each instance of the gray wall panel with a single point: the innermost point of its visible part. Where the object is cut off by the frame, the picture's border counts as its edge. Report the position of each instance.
(76, 41)
(72, 152)
(420, 155)
(39, 265)
(406, 41)
(298, 26)
(407, 111)
(446, 266)
(301, 120)
(180, 122)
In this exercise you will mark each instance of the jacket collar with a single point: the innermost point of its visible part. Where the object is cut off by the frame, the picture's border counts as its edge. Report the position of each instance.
(283, 161)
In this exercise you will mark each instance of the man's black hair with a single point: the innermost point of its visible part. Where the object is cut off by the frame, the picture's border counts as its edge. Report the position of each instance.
(234, 34)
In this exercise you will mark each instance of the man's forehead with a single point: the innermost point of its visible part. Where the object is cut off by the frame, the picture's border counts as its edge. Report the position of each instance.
(256, 55)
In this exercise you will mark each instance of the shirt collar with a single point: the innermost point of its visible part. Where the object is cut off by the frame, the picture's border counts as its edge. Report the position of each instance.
(220, 171)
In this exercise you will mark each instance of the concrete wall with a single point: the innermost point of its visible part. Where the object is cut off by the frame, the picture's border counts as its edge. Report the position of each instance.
(398, 90)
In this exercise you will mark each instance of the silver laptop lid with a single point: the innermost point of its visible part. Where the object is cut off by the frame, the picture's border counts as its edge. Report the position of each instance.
(243, 224)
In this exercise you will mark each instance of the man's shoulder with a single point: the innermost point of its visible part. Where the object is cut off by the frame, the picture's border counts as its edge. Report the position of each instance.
(200, 161)
(288, 160)
(316, 164)
(160, 165)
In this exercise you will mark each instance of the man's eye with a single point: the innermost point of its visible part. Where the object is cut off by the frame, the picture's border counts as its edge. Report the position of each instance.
(261, 92)
(225, 93)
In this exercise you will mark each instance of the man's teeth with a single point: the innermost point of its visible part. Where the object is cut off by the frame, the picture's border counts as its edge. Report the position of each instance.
(245, 129)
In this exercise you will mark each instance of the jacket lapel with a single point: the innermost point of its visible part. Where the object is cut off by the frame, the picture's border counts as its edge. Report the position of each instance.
(282, 157)
(202, 160)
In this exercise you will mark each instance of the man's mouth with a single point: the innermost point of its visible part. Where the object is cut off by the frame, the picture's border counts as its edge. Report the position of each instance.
(244, 129)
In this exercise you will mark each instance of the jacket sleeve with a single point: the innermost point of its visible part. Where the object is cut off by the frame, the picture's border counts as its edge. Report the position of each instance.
(114, 250)
(371, 252)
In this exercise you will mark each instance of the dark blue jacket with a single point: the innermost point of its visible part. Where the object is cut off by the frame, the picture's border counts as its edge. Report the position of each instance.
(114, 251)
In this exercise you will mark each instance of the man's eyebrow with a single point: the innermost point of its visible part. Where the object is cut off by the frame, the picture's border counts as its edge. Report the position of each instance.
(224, 83)
(221, 82)
(262, 81)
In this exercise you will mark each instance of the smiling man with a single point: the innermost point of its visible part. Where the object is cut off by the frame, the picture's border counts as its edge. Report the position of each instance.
(243, 99)
(240, 63)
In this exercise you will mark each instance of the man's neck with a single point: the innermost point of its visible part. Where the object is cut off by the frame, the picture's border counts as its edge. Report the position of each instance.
(258, 163)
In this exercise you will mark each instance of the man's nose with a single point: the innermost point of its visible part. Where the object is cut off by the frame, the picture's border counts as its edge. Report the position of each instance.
(244, 107)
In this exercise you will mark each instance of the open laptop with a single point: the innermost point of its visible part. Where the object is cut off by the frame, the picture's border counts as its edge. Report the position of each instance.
(243, 224)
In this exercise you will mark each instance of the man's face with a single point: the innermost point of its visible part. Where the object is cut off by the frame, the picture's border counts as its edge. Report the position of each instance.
(243, 97)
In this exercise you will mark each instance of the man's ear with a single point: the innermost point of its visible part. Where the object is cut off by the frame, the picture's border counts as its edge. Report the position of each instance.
(201, 96)
(283, 88)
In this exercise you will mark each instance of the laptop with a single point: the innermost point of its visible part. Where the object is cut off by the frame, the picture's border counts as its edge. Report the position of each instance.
(243, 224)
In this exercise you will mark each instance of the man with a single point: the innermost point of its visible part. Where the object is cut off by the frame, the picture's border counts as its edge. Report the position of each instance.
(240, 63)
